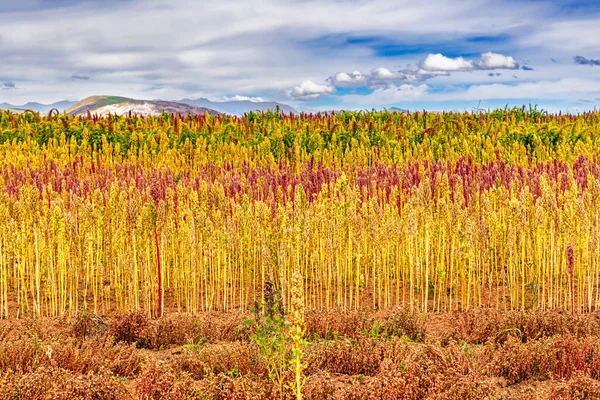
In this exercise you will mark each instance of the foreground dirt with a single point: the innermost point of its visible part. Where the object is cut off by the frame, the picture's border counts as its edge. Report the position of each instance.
(390, 354)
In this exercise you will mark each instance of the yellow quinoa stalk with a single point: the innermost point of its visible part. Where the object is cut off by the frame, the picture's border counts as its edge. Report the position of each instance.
(296, 330)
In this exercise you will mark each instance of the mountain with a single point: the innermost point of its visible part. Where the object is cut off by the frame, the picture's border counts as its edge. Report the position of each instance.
(121, 105)
(238, 107)
(42, 108)
(401, 110)
(104, 105)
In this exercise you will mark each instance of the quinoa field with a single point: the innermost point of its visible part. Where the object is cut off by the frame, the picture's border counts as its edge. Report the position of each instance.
(350, 255)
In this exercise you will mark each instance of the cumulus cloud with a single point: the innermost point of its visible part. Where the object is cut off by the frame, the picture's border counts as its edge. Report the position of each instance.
(382, 77)
(526, 68)
(8, 85)
(489, 60)
(344, 79)
(585, 61)
(439, 62)
(432, 66)
(309, 90)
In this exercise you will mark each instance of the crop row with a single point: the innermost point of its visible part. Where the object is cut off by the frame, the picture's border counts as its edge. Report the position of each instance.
(201, 225)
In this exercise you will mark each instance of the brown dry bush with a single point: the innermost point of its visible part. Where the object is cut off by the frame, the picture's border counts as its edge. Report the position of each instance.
(479, 326)
(234, 359)
(581, 387)
(169, 331)
(88, 325)
(571, 356)
(406, 380)
(518, 361)
(29, 386)
(159, 382)
(399, 322)
(542, 324)
(320, 386)
(364, 356)
(21, 354)
(354, 324)
(129, 327)
(470, 387)
(332, 324)
(344, 356)
(557, 357)
(26, 355)
(223, 387)
(59, 384)
(176, 330)
(221, 326)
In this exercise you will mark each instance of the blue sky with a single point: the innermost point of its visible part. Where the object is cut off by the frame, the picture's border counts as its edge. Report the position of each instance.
(313, 55)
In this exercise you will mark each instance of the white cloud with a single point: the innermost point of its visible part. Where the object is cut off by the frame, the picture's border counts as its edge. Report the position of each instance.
(309, 90)
(343, 79)
(433, 65)
(439, 62)
(382, 78)
(491, 60)
(381, 73)
(242, 98)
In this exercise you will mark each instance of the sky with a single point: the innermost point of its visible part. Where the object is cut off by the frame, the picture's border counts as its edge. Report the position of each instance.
(313, 55)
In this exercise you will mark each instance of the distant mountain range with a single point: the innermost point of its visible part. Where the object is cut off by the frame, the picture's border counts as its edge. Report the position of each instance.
(42, 108)
(122, 105)
(400, 110)
(238, 107)
(104, 105)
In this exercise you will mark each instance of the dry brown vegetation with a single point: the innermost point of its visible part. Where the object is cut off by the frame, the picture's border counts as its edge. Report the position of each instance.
(391, 354)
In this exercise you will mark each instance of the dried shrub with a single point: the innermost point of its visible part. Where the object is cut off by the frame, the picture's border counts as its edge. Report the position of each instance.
(332, 324)
(129, 327)
(87, 325)
(233, 359)
(344, 356)
(159, 382)
(399, 322)
(244, 388)
(29, 386)
(320, 385)
(26, 355)
(60, 384)
(581, 386)
(479, 326)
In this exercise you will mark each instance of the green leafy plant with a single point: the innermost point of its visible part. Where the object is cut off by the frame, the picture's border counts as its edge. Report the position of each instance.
(268, 329)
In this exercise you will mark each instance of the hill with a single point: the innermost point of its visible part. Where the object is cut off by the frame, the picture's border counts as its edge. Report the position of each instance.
(104, 105)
